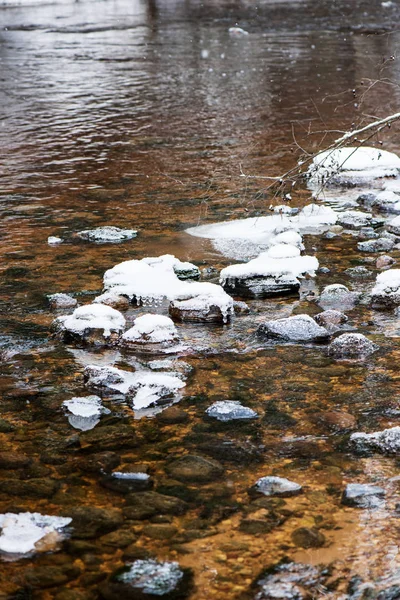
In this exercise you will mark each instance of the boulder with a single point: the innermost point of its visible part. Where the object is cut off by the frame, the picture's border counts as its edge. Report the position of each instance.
(363, 495)
(386, 441)
(337, 296)
(151, 333)
(331, 319)
(382, 244)
(386, 292)
(299, 328)
(61, 301)
(308, 537)
(291, 581)
(93, 324)
(351, 345)
(107, 235)
(127, 482)
(354, 219)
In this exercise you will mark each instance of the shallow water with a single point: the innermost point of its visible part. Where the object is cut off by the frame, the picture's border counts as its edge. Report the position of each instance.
(111, 114)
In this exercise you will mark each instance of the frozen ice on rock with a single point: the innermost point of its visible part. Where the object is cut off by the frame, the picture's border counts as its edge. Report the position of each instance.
(299, 328)
(230, 410)
(151, 330)
(107, 235)
(386, 292)
(354, 219)
(273, 272)
(20, 533)
(362, 495)
(382, 244)
(384, 442)
(61, 301)
(92, 324)
(202, 302)
(352, 345)
(353, 165)
(277, 486)
(53, 240)
(117, 301)
(337, 296)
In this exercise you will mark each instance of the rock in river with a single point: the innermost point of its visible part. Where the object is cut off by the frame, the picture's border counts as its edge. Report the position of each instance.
(126, 483)
(386, 441)
(93, 324)
(351, 345)
(382, 244)
(354, 219)
(363, 495)
(291, 581)
(276, 486)
(107, 235)
(300, 328)
(337, 296)
(61, 301)
(148, 579)
(386, 293)
(230, 410)
(331, 319)
(195, 469)
(151, 333)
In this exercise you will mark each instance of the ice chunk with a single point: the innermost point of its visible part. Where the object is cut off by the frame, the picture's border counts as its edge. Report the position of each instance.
(21, 532)
(86, 406)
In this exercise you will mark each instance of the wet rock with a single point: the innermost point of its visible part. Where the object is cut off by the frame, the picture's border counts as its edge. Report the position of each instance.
(73, 594)
(195, 469)
(263, 287)
(125, 483)
(335, 421)
(291, 581)
(62, 301)
(101, 462)
(186, 270)
(386, 292)
(112, 437)
(14, 460)
(358, 272)
(382, 244)
(387, 201)
(144, 505)
(240, 308)
(337, 296)
(93, 324)
(147, 579)
(173, 415)
(300, 328)
(89, 522)
(230, 410)
(384, 262)
(107, 235)
(118, 539)
(330, 319)
(117, 301)
(151, 333)
(394, 225)
(351, 345)
(354, 219)
(276, 486)
(201, 309)
(258, 526)
(363, 495)
(308, 537)
(386, 441)
(33, 488)
(41, 577)
(160, 531)
(232, 450)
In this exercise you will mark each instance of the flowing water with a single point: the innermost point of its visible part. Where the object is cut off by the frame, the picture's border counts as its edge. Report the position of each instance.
(144, 115)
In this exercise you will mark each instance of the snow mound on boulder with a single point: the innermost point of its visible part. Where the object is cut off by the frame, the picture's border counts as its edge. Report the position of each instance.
(386, 292)
(92, 317)
(151, 329)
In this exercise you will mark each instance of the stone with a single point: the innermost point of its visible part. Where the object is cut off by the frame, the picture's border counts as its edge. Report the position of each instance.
(257, 526)
(107, 235)
(276, 486)
(384, 262)
(386, 292)
(62, 301)
(118, 539)
(32, 488)
(240, 308)
(394, 225)
(299, 328)
(201, 309)
(92, 324)
(117, 301)
(128, 482)
(330, 319)
(14, 460)
(230, 410)
(358, 272)
(41, 577)
(111, 437)
(351, 345)
(363, 495)
(291, 581)
(354, 219)
(263, 287)
(368, 233)
(89, 522)
(382, 244)
(386, 441)
(173, 415)
(148, 579)
(337, 296)
(308, 537)
(186, 270)
(101, 462)
(151, 333)
(162, 531)
(195, 469)
(335, 421)
(144, 505)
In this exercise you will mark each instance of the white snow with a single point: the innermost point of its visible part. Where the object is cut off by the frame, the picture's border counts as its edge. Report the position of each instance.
(94, 316)
(237, 32)
(354, 161)
(394, 225)
(153, 329)
(20, 532)
(85, 406)
(387, 283)
(52, 240)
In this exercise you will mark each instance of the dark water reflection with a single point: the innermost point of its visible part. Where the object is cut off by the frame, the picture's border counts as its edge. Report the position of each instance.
(141, 114)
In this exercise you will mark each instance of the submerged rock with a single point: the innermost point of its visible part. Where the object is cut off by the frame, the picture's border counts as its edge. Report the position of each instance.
(351, 345)
(337, 296)
(386, 293)
(291, 581)
(127, 482)
(62, 301)
(308, 537)
(146, 579)
(363, 495)
(230, 410)
(151, 333)
(24, 532)
(93, 324)
(384, 442)
(276, 486)
(107, 235)
(195, 469)
(145, 505)
(299, 328)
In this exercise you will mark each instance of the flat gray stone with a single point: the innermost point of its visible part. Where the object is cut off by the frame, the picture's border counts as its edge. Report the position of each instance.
(363, 495)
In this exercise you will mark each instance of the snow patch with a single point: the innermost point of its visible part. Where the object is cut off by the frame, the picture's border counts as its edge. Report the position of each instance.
(21, 532)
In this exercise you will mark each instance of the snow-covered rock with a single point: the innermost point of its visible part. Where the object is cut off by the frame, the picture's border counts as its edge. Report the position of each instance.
(117, 301)
(61, 301)
(362, 495)
(151, 333)
(354, 219)
(85, 411)
(107, 235)
(384, 442)
(22, 532)
(386, 292)
(386, 201)
(277, 486)
(337, 296)
(230, 410)
(331, 319)
(382, 244)
(274, 272)
(351, 345)
(353, 166)
(202, 302)
(90, 324)
(237, 32)
(394, 225)
(299, 328)
(127, 482)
